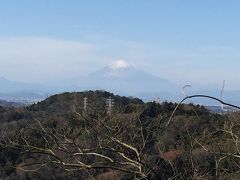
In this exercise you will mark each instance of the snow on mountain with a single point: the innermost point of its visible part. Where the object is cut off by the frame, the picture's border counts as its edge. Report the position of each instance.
(119, 64)
(122, 77)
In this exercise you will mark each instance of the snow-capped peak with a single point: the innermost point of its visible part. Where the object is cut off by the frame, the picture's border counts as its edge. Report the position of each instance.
(120, 64)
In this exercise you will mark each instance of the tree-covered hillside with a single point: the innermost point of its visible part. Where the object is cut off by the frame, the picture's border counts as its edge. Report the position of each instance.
(86, 135)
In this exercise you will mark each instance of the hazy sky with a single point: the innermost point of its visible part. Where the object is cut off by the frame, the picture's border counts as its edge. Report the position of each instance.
(181, 40)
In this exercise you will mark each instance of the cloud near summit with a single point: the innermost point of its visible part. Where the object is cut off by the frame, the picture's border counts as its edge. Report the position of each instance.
(41, 59)
(38, 59)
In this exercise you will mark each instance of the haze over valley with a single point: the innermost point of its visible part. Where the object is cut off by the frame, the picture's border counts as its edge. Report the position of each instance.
(121, 78)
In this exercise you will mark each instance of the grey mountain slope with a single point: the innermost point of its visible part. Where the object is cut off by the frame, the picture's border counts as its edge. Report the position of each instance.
(7, 86)
(12, 90)
(125, 80)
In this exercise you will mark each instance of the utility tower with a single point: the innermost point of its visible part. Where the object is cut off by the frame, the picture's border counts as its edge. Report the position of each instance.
(85, 103)
(157, 100)
(109, 104)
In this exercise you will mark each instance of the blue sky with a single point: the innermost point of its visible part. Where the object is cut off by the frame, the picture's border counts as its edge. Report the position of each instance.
(184, 41)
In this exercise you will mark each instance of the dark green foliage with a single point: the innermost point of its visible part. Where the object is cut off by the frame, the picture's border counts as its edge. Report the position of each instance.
(166, 152)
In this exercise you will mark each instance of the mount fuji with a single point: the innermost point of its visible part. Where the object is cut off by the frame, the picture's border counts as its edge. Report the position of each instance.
(124, 78)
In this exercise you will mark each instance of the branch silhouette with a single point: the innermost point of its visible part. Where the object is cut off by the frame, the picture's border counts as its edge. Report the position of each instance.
(200, 96)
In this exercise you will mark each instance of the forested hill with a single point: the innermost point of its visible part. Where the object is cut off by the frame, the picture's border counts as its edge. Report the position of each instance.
(96, 101)
(96, 134)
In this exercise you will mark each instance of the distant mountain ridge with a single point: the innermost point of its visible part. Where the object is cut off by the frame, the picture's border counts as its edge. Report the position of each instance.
(8, 86)
(121, 78)
(21, 92)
